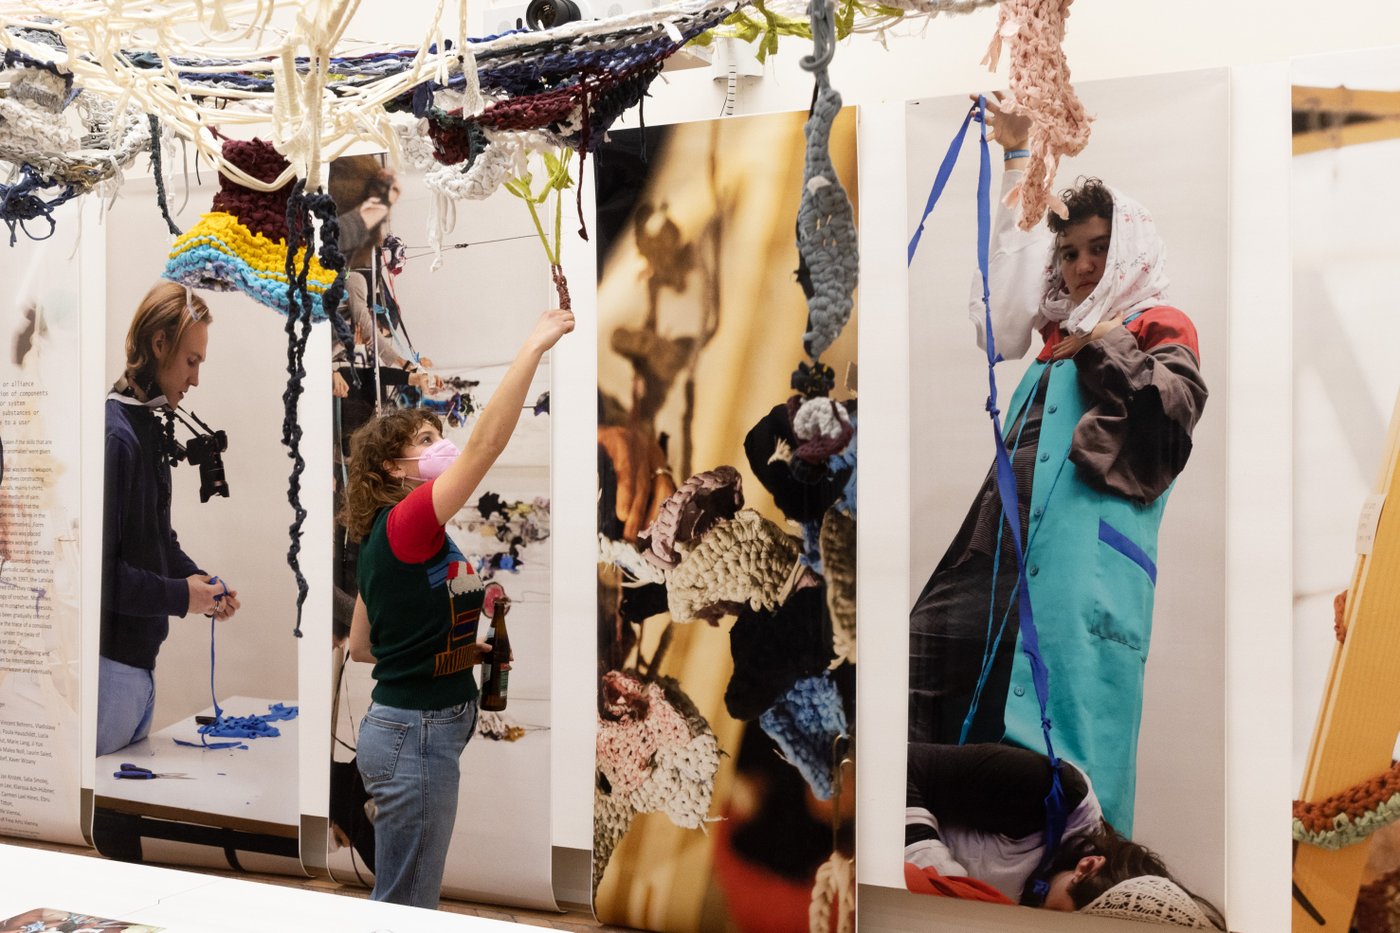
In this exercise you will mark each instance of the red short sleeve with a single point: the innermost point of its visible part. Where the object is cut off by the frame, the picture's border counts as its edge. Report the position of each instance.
(413, 529)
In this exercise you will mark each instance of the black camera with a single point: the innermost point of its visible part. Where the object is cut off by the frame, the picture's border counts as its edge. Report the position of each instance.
(546, 14)
(206, 452)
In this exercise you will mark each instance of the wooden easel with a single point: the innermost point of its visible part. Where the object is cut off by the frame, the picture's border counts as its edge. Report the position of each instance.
(1346, 117)
(1360, 713)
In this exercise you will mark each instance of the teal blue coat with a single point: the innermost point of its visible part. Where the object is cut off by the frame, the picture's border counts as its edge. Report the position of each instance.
(1091, 570)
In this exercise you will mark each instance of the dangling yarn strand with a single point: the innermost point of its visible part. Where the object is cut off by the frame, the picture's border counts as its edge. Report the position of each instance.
(301, 211)
(299, 231)
(19, 204)
(834, 890)
(159, 172)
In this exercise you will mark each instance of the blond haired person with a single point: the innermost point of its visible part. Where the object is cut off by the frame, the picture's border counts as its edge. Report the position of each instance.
(146, 576)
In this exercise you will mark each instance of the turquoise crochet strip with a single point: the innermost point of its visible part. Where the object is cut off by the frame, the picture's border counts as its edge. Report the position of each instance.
(1347, 831)
(206, 265)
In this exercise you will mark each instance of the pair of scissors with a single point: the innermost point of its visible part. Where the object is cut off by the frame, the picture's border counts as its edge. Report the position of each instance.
(138, 773)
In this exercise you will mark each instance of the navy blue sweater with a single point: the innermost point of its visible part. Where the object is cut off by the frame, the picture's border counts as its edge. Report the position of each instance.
(143, 567)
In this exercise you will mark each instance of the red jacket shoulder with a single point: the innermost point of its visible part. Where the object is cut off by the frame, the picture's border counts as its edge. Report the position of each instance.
(1163, 325)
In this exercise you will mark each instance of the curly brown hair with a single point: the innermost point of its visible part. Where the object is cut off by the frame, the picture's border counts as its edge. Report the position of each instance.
(1088, 198)
(368, 488)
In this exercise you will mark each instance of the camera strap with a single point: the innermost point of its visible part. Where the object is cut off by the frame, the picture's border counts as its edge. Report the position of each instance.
(121, 392)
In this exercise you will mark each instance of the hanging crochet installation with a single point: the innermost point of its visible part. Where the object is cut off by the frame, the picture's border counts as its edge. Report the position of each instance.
(468, 110)
(727, 459)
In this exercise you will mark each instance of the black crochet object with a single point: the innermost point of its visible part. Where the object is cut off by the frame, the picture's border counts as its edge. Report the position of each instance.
(773, 650)
(805, 494)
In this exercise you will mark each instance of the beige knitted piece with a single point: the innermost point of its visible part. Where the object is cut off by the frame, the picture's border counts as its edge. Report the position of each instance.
(746, 560)
(834, 890)
(1151, 898)
(837, 543)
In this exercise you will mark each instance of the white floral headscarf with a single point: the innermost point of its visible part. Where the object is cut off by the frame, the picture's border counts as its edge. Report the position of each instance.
(1134, 276)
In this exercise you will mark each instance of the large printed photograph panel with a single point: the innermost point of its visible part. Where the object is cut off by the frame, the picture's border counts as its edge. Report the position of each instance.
(1126, 590)
(726, 590)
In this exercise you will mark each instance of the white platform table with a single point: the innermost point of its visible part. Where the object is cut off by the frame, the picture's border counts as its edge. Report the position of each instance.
(184, 902)
(234, 799)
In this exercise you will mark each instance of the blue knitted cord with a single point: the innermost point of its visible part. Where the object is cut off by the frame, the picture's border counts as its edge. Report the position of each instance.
(803, 724)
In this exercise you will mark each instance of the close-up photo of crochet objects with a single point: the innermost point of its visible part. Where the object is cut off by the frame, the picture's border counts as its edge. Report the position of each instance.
(726, 525)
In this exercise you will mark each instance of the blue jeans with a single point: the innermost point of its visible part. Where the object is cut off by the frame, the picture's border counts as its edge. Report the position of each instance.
(126, 700)
(408, 759)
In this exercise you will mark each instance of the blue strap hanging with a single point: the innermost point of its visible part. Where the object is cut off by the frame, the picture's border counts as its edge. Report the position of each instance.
(236, 727)
(1055, 810)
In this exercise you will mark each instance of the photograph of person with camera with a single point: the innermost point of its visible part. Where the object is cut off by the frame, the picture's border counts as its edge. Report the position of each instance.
(146, 576)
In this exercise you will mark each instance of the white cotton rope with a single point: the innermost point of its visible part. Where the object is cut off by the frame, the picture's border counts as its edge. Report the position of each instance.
(310, 125)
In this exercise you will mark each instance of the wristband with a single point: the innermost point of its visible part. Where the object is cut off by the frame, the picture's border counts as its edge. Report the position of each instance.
(1015, 154)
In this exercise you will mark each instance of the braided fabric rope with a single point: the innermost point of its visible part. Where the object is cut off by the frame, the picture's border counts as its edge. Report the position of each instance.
(1351, 815)
(303, 212)
(745, 560)
(834, 893)
(803, 724)
(1040, 90)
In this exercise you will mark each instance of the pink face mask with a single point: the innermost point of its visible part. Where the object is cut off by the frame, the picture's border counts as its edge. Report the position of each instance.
(436, 459)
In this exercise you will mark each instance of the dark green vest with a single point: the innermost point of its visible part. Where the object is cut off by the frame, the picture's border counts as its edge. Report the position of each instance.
(422, 617)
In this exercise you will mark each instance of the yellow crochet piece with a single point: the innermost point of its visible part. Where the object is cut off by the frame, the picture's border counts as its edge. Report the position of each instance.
(266, 259)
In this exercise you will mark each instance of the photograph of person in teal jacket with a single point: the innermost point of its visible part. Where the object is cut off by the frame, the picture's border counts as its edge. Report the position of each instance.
(1097, 432)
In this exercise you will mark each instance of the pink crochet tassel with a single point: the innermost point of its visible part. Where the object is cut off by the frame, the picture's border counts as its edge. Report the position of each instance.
(1040, 90)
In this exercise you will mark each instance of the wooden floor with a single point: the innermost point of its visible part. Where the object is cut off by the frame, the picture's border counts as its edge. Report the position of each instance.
(575, 920)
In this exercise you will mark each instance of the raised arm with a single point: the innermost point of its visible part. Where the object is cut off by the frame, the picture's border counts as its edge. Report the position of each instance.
(1016, 258)
(493, 429)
